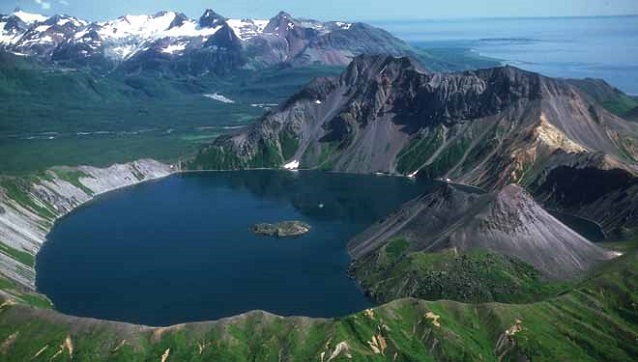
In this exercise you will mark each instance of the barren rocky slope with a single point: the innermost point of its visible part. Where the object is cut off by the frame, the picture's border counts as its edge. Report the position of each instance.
(488, 128)
(507, 222)
(453, 244)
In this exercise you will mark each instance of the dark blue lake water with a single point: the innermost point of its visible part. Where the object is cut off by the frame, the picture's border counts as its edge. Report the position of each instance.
(596, 47)
(180, 249)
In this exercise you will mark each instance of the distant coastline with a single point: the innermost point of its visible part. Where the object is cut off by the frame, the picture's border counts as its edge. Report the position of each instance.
(604, 47)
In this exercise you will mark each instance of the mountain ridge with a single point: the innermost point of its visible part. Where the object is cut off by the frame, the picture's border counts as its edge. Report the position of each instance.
(487, 128)
(217, 44)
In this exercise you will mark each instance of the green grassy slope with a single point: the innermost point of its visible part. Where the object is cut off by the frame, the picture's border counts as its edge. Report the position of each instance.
(596, 321)
(57, 116)
(608, 96)
(475, 276)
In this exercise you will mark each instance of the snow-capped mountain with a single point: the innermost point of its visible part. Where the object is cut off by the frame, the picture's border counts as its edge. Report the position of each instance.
(170, 40)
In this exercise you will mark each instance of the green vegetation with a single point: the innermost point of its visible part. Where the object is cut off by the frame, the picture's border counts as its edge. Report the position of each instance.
(54, 117)
(419, 151)
(327, 151)
(18, 190)
(6, 284)
(393, 272)
(267, 155)
(29, 156)
(289, 144)
(218, 157)
(73, 177)
(19, 255)
(50, 117)
(592, 320)
(612, 99)
(214, 158)
(626, 244)
(620, 106)
(396, 248)
(447, 159)
(20, 295)
(36, 300)
(596, 321)
(480, 151)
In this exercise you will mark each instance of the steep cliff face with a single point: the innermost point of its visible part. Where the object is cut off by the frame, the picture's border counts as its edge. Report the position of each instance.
(605, 194)
(487, 127)
(29, 206)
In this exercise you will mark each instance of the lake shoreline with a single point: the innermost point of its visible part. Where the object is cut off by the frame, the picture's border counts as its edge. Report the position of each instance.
(29, 216)
(223, 207)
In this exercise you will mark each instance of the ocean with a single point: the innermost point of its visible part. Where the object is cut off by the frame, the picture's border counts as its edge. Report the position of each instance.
(587, 47)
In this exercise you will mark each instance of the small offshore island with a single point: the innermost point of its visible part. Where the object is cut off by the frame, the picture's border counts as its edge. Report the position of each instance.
(284, 229)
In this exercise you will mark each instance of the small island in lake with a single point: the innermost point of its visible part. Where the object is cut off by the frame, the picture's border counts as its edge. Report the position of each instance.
(283, 229)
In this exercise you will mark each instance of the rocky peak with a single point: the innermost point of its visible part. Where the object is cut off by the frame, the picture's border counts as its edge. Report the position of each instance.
(282, 15)
(14, 23)
(364, 68)
(211, 19)
(65, 21)
(180, 19)
(282, 23)
(224, 38)
(514, 81)
(512, 208)
(515, 194)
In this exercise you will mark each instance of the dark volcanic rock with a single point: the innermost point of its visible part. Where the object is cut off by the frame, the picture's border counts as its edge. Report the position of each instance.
(609, 196)
(211, 19)
(489, 127)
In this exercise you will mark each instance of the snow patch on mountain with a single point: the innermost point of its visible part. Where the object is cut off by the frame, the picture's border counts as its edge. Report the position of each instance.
(136, 25)
(219, 97)
(174, 48)
(122, 52)
(247, 28)
(42, 28)
(190, 29)
(293, 165)
(75, 22)
(130, 37)
(8, 37)
(30, 18)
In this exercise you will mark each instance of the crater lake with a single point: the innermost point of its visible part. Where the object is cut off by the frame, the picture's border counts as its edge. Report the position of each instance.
(181, 249)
